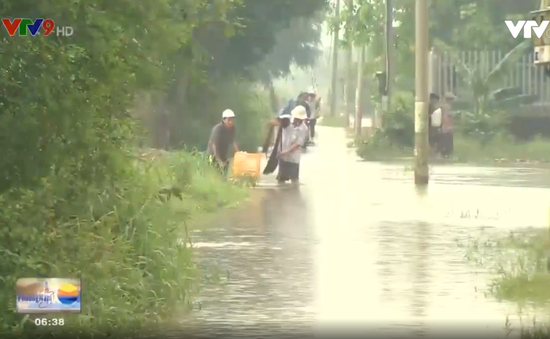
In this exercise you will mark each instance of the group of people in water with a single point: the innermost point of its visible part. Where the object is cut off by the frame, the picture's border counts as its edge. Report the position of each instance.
(295, 130)
(295, 125)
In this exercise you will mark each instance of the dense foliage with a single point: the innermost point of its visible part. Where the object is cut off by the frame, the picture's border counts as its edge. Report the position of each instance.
(464, 25)
(75, 197)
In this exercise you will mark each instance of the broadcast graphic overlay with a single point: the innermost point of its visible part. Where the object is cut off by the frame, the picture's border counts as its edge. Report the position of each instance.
(50, 295)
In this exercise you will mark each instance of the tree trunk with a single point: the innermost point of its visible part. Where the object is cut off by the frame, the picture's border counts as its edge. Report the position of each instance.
(359, 90)
(335, 48)
(350, 86)
(390, 53)
(350, 77)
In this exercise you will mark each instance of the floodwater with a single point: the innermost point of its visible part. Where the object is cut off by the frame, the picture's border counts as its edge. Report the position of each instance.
(358, 249)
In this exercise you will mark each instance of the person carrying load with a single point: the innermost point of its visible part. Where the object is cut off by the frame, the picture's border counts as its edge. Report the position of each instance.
(277, 126)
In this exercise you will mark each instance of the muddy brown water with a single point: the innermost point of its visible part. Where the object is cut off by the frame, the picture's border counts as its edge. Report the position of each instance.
(358, 249)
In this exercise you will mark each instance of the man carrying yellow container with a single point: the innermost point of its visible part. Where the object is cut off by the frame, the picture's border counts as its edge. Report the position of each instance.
(221, 139)
(291, 147)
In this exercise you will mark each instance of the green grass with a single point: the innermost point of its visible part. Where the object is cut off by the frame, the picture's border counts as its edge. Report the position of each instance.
(329, 121)
(501, 150)
(126, 241)
(518, 261)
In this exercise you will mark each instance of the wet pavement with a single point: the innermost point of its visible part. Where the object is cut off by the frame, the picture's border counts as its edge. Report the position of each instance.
(358, 248)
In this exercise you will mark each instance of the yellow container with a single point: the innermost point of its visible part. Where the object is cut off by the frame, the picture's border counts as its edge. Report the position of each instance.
(247, 164)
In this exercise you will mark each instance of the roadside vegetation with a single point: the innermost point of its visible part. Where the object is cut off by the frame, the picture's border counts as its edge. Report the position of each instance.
(332, 121)
(519, 261)
(495, 122)
(482, 138)
(102, 134)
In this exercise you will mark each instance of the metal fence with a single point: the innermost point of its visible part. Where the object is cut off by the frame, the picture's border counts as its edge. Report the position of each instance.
(524, 75)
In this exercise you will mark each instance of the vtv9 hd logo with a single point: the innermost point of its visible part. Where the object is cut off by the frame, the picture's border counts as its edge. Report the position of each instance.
(24, 27)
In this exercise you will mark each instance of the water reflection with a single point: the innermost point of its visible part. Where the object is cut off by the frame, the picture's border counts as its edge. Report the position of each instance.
(420, 269)
(273, 275)
(358, 246)
(286, 214)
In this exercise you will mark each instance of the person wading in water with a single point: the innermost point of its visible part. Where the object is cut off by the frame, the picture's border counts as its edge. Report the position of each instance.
(283, 127)
(291, 147)
(221, 139)
(314, 107)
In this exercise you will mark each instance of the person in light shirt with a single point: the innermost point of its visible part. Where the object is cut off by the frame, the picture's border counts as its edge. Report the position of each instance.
(291, 147)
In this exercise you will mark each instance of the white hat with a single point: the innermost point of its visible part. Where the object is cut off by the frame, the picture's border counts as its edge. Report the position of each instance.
(285, 116)
(299, 112)
(310, 90)
(228, 114)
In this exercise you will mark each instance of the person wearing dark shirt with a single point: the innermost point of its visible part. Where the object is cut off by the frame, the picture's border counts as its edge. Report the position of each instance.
(302, 101)
(221, 139)
(314, 108)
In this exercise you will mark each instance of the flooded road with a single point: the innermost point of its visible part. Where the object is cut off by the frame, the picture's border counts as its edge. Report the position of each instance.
(357, 248)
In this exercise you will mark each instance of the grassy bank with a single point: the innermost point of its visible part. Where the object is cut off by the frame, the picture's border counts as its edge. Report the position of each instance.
(519, 262)
(123, 240)
(329, 121)
(466, 150)
(480, 138)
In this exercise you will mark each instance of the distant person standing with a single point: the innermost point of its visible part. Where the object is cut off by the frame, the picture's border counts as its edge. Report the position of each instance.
(221, 139)
(433, 128)
(313, 106)
(284, 130)
(446, 140)
(302, 100)
(291, 147)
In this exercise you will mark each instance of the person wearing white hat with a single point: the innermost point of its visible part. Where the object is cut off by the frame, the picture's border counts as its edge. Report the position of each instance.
(221, 139)
(283, 126)
(291, 147)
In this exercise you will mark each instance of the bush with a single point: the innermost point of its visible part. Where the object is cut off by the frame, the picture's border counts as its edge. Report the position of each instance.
(249, 102)
(399, 122)
(501, 148)
(482, 127)
(379, 146)
(396, 138)
(127, 243)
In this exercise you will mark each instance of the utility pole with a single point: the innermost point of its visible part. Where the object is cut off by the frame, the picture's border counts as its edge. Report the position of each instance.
(335, 47)
(390, 54)
(422, 147)
(350, 79)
